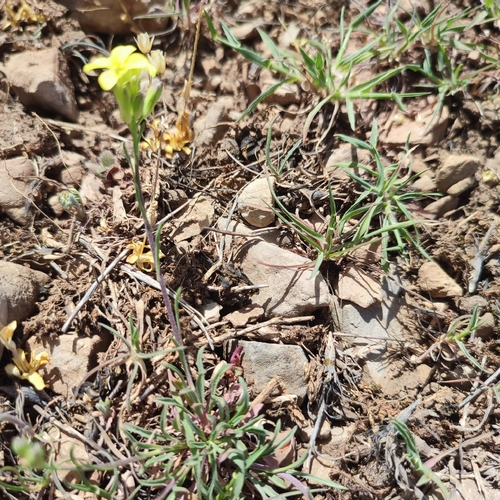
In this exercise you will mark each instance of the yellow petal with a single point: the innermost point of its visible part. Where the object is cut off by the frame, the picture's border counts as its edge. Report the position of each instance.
(132, 259)
(120, 54)
(107, 79)
(12, 370)
(40, 359)
(98, 63)
(6, 334)
(19, 359)
(36, 379)
(146, 262)
(140, 61)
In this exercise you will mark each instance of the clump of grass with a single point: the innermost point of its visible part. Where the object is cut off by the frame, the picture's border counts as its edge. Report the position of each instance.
(384, 198)
(379, 213)
(331, 76)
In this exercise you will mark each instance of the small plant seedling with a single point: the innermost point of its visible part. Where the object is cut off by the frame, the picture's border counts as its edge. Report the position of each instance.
(414, 458)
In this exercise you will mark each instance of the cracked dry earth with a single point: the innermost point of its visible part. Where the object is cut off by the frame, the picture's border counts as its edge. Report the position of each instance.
(245, 276)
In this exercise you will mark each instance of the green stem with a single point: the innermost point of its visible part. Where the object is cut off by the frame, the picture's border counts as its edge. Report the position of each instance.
(136, 136)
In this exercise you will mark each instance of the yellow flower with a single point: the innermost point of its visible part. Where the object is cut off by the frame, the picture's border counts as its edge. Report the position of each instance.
(121, 60)
(143, 260)
(21, 368)
(25, 370)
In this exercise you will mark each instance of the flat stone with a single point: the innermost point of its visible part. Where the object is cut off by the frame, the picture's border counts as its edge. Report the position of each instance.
(379, 321)
(433, 280)
(41, 81)
(290, 290)
(454, 169)
(19, 290)
(245, 315)
(442, 206)
(358, 287)
(262, 362)
(211, 129)
(254, 201)
(462, 186)
(16, 175)
(425, 184)
(193, 219)
(72, 357)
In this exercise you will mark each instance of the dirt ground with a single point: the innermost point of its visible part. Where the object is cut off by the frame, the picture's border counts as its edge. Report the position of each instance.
(414, 370)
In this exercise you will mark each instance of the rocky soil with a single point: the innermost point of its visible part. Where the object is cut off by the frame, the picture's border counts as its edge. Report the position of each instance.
(245, 277)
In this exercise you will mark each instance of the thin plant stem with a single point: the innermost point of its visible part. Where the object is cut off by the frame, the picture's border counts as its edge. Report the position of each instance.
(150, 236)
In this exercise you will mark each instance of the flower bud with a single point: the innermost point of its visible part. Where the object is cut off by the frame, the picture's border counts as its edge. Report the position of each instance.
(144, 42)
(157, 59)
(152, 96)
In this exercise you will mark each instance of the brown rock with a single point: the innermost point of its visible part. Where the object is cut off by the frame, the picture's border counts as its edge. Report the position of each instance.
(74, 169)
(65, 446)
(442, 206)
(454, 169)
(487, 327)
(462, 186)
(285, 95)
(117, 17)
(19, 290)
(435, 281)
(290, 290)
(41, 80)
(246, 315)
(358, 287)
(418, 129)
(254, 201)
(16, 175)
(210, 130)
(425, 184)
(193, 219)
(348, 155)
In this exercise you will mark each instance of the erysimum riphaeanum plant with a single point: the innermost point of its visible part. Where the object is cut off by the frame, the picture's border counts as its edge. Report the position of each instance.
(132, 78)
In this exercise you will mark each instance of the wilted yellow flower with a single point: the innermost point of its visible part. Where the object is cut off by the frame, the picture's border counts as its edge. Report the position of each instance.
(28, 370)
(143, 260)
(21, 368)
(157, 59)
(173, 140)
(121, 60)
(177, 139)
(144, 42)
